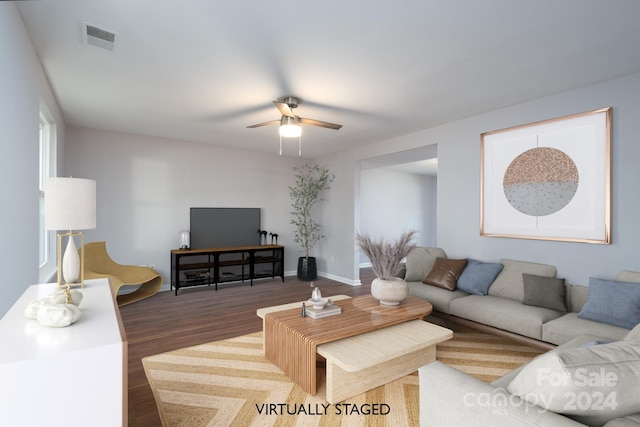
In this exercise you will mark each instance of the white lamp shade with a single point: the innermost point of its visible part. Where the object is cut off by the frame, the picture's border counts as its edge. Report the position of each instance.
(69, 204)
(290, 127)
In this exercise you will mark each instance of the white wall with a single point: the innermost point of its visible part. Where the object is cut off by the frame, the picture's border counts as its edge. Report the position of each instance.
(392, 202)
(22, 85)
(146, 185)
(459, 189)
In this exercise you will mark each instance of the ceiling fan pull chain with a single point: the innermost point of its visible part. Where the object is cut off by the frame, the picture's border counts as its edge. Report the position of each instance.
(299, 145)
(281, 145)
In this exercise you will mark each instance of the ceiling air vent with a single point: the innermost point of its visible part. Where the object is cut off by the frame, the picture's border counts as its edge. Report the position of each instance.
(98, 37)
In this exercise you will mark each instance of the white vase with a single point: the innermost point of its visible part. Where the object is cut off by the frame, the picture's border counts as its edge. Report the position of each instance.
(389, 291)
(71, 262)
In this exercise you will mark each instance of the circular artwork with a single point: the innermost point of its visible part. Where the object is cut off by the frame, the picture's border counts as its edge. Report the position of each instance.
(541, 181)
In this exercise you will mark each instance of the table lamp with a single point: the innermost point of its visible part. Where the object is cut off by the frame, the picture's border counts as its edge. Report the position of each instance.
(70, 204)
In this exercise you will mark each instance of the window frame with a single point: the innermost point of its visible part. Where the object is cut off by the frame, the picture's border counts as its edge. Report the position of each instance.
(47, 149)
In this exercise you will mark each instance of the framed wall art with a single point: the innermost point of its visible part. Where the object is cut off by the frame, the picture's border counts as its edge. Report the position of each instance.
(549, 180)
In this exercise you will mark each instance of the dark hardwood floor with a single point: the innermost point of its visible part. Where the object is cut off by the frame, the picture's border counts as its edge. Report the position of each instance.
(198, 315)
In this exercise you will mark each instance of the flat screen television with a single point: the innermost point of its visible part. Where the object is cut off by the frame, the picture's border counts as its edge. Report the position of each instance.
(222, 227)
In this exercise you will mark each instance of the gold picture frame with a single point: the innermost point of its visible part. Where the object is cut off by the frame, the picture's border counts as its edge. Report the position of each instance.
(548, 180)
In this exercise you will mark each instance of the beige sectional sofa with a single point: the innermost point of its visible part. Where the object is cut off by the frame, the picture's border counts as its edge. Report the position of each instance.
(502, 308)
(592, 376)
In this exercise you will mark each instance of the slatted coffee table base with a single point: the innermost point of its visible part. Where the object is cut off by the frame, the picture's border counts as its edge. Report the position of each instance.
(291, 341)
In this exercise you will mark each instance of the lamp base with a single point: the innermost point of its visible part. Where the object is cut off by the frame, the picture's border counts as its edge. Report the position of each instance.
(71, 262)
(71, 265)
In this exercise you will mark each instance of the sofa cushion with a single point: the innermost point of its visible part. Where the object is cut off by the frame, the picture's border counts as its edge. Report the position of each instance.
(503, 313)
(575, 342)
(591, 384)
(564, 328)
(420, 261)
(633, 334)
(438, 297)
(449, 397)
(509, 283)
(576, 297)
(628, 276)
(477, 276)
(613, 302)
(547, 292)
(445, 273)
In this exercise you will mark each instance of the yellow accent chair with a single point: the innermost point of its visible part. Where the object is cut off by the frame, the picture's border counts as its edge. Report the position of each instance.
(98, 264)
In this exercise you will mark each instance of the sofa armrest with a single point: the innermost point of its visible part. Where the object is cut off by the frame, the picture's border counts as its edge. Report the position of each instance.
(452, 398)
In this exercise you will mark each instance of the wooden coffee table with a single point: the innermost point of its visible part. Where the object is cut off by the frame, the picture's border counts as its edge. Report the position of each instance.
(291, 341)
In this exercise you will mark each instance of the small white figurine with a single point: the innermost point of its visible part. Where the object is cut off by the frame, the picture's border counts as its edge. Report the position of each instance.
(58, 315)
(53, 310)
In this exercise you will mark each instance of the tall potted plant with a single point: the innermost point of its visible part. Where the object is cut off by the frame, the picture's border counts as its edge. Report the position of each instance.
(311, 181)
(386, 257)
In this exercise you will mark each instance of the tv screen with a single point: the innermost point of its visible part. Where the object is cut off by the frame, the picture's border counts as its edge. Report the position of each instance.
(222, 227)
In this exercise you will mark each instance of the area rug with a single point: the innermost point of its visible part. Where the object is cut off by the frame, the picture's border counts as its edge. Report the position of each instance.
(231, 383)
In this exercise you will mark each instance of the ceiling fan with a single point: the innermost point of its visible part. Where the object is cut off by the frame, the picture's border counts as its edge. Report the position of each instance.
(290, 123)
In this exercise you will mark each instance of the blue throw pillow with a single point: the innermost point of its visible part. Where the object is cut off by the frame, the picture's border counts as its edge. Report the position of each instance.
(477, 276)
(613, 302)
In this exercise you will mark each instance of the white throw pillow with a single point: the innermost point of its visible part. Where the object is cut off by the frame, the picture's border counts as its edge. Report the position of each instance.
(591, 384)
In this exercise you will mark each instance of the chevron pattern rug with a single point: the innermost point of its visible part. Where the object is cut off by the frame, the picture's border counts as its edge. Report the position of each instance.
(231, 383)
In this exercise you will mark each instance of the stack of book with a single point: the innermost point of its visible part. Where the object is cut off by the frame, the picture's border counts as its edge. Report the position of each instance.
(318, 313)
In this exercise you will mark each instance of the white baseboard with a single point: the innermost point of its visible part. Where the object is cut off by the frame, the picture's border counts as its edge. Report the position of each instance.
(341, 279)
(167, 287)
(331, 277)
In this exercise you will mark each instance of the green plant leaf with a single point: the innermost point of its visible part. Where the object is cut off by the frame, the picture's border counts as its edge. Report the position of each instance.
(311, 181)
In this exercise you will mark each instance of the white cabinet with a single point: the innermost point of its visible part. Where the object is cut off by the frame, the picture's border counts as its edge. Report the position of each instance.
(72, 376)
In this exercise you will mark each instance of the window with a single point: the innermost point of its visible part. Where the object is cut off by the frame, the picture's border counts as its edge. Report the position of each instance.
(47, 154)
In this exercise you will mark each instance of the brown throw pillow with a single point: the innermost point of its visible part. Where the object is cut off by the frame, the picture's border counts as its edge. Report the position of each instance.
(445, 273)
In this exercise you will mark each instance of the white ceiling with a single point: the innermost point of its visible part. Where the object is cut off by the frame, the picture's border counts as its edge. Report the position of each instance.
(202, 70)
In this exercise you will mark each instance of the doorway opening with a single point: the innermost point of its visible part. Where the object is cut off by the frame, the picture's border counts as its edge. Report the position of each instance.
(398, 192)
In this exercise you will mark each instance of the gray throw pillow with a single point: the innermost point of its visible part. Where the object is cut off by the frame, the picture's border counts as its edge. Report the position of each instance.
(613, 302)
(547, 292)
(477, 276)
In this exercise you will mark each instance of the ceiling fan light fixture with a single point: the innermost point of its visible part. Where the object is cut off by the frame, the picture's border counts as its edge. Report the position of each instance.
(290, 127)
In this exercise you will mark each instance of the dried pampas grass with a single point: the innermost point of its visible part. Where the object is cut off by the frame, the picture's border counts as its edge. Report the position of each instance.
(385, 255)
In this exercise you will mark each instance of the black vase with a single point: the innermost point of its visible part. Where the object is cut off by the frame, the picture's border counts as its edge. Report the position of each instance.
(307, 269)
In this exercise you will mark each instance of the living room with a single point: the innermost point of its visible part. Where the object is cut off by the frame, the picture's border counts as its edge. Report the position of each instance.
(146, 184)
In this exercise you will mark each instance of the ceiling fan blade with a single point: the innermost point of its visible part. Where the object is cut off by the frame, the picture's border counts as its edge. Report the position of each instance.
(272, 122)
(285, 110)
(319, 123)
